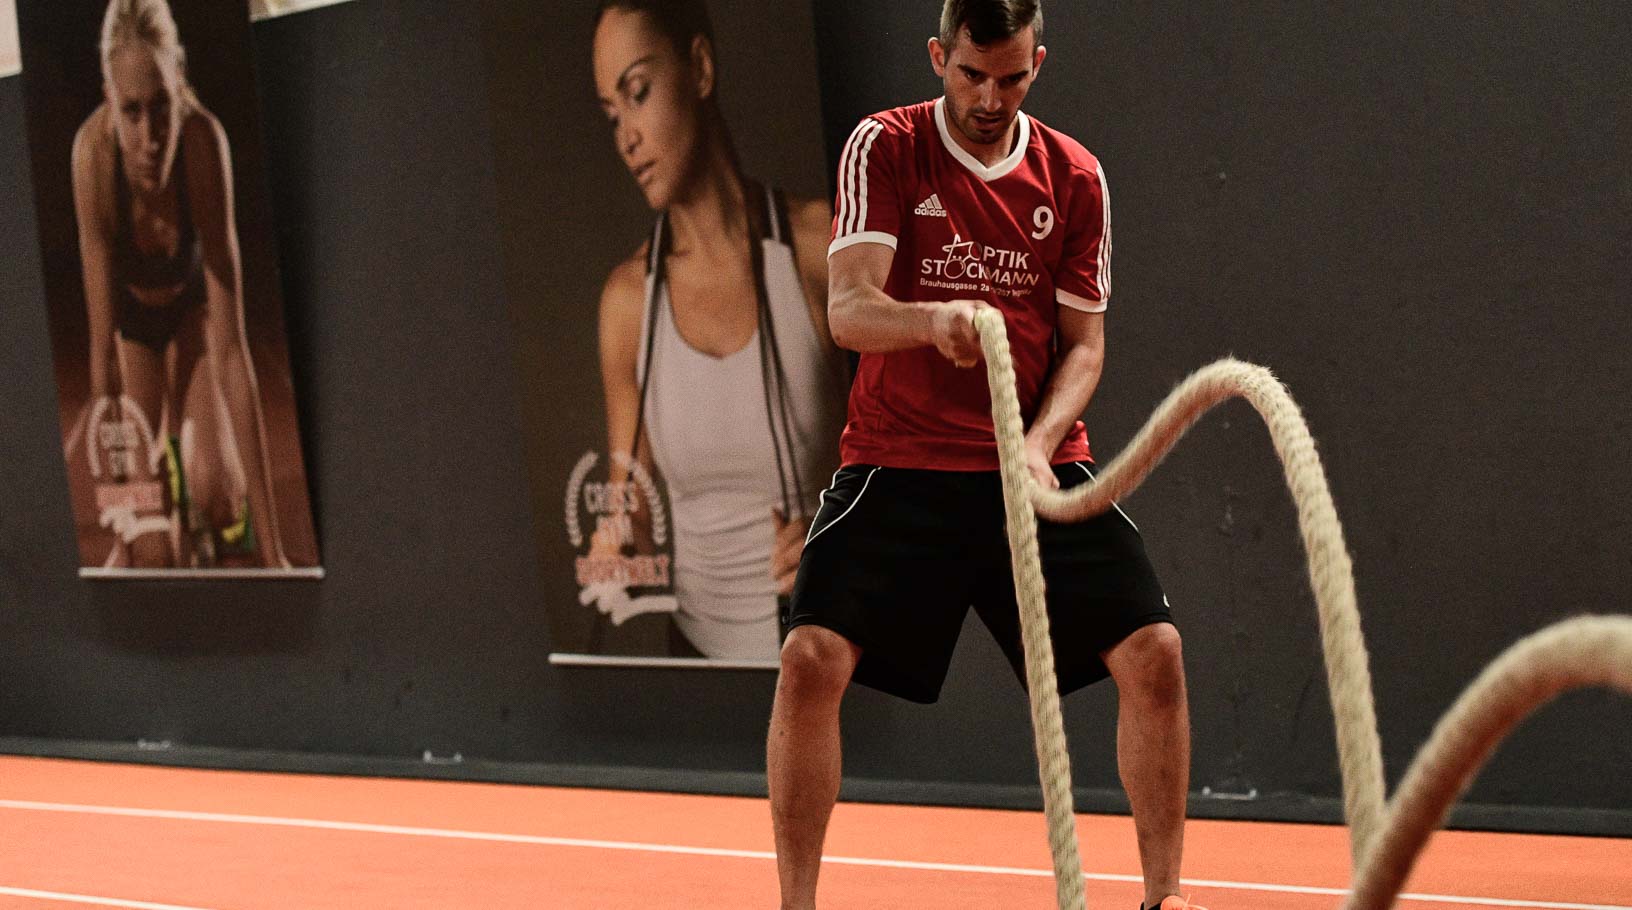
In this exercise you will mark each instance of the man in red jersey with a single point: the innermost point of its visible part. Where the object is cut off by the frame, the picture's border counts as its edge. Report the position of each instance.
(943, 208)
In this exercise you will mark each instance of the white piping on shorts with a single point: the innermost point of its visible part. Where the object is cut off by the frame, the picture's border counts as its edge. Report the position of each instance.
(1113, 504)
(821, 500)
(815, 533)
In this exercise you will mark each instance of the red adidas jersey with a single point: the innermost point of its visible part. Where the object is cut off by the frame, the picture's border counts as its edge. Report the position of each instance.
(1027, 235)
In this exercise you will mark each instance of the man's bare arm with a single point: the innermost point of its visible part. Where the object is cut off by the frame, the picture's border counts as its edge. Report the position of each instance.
(1081, 360)
(867, 320)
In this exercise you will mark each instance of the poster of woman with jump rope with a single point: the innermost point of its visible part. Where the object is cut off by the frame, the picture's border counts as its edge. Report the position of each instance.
(174, 389)
(666, 217)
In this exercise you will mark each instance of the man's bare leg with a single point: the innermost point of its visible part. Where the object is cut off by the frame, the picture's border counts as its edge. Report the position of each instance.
(802, 754)
(1153, 749)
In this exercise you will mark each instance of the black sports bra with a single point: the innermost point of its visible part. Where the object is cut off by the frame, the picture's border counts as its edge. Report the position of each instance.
(142, 271)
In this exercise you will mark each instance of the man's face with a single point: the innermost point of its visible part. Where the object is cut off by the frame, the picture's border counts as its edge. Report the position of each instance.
(985, 85)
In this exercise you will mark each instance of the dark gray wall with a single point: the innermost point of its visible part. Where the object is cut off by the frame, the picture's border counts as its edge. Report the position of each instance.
(1418, 218)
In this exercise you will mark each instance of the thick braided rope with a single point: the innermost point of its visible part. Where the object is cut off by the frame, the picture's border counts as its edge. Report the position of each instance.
(1384, 840)
(1048, 730)
(1330, 569)
(1588, 650)
(1331, 572)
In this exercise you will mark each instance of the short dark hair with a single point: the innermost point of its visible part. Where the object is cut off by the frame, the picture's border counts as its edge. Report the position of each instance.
(677, 20)
(989, 20)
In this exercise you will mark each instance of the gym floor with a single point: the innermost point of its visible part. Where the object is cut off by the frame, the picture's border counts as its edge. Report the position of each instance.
(156, 838)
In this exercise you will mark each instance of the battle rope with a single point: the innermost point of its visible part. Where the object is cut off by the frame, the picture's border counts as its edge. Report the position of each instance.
(1587, 650)
(1384, 840)
(1330, 573)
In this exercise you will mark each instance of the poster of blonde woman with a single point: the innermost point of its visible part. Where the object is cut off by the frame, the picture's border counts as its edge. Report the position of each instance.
(174, 388)
(665, 210)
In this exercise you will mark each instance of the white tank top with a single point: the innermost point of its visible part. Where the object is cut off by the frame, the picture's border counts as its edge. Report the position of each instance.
(727, 462)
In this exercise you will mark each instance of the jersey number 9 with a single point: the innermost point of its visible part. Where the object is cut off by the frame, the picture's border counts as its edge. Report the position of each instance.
(1044, 219)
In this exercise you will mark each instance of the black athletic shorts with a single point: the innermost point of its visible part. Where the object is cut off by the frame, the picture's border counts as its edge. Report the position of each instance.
(896, 557)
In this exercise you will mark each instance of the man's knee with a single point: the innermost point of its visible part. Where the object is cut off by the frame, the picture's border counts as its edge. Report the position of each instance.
(816, 664)
(1149, 665)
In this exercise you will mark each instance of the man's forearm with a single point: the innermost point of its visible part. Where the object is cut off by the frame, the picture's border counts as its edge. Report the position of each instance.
(1066, 397)
(868, 321)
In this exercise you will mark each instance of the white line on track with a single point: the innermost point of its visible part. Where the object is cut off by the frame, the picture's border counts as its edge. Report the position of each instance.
(63, 898)
(541, 840)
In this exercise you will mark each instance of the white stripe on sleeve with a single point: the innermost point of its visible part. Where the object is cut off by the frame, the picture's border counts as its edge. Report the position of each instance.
(1104, 235)
(845, 160)
(861, 220)
(854, 162)
(1077, 301)
(850, 240)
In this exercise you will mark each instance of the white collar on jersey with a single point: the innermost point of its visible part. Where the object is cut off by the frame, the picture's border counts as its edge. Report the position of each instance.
(969, 161)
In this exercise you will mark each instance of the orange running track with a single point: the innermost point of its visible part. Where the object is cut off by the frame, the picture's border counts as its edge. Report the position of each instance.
(152, 838)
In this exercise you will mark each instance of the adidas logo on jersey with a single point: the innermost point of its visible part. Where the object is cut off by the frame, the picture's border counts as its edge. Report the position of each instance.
(931, 207)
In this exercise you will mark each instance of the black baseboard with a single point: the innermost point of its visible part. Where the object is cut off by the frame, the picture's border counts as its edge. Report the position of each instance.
(1282, 807)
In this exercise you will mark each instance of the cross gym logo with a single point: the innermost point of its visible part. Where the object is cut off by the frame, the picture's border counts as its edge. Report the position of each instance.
(613, 507)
